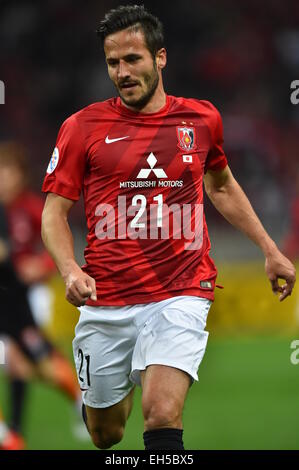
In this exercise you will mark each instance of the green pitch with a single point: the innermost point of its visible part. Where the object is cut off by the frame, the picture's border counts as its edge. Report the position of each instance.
(247, 398)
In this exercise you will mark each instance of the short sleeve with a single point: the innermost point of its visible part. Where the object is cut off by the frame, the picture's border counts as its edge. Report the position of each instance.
(66, 169)
(216, 159)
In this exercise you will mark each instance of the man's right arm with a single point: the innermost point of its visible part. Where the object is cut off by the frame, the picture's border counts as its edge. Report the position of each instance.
(58, 240)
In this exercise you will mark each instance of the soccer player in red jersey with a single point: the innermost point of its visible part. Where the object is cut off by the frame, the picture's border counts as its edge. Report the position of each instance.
(145, 291)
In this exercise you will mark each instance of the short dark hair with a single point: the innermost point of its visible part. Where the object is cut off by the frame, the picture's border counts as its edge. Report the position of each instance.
(137, 16)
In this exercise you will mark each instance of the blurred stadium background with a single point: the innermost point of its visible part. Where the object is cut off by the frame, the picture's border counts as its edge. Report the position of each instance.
(242, 56)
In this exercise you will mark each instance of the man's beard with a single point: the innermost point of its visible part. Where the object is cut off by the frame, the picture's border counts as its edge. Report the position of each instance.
(151, 82)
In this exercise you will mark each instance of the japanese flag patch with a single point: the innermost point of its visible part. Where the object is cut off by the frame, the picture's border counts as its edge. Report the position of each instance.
(187, 159)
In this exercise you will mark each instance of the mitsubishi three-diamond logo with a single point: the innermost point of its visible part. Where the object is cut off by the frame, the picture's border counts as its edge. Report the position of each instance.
(145, 172)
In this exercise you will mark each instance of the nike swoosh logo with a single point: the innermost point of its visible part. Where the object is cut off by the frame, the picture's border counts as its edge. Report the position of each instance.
(110, 141)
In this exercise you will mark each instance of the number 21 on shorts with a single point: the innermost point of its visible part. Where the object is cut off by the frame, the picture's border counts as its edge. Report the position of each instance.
(83, 363)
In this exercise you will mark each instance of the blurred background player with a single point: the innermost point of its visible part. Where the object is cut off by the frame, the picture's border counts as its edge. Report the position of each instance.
(24, 267)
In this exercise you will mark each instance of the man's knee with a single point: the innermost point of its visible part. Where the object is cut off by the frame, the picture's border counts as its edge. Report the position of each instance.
(104, 438)
(161, 413)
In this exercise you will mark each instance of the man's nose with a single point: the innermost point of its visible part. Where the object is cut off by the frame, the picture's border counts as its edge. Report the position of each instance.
(123, 70)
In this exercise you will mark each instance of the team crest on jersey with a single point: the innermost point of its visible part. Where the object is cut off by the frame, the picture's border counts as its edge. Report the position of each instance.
(186, 138)
(54, 161)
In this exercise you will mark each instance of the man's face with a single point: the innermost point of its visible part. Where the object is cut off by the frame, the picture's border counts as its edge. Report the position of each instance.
(11, 182)
(131, 67)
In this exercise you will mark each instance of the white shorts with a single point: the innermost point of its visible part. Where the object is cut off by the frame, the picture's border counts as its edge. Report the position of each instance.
(113, 344)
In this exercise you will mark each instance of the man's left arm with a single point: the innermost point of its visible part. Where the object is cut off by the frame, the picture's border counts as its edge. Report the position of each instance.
(230, 200)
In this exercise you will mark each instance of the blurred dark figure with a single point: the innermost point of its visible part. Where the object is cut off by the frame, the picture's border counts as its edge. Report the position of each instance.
(9, 438)
(24, 263)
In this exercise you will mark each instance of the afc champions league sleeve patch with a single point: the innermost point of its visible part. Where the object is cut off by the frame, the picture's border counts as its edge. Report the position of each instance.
(54, 161)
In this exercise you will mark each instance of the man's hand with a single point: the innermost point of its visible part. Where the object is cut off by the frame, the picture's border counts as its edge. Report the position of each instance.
(277, 266)
(79, 287)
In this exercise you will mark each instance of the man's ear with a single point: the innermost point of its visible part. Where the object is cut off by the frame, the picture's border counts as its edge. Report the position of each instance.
(161, 58)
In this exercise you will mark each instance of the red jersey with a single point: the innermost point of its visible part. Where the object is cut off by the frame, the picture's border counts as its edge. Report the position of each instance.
(24, 225)
(141, 177)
